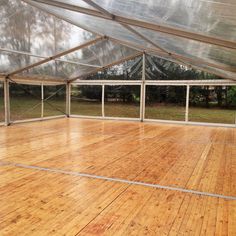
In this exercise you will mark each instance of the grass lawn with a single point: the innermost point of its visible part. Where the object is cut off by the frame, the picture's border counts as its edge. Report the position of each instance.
(212, 115)
(86, 108)
(113, 109)
(20, 106)
(165, 112)
(196, 114)
(23, 108)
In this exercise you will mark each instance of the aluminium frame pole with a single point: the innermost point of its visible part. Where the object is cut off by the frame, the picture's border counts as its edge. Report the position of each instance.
(7, 102)
(142, 90)
(68, 99)
(103, 100)
(187, 104)
(42, 100)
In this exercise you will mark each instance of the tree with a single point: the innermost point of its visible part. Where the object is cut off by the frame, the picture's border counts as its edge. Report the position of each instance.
(231, 96)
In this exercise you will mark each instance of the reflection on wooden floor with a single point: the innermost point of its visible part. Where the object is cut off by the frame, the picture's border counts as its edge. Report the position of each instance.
(41, 202)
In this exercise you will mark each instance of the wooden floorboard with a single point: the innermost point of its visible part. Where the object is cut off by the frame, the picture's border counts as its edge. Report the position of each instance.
(35, 202)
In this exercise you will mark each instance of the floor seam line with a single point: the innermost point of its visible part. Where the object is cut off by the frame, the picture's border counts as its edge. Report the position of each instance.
(157, 186)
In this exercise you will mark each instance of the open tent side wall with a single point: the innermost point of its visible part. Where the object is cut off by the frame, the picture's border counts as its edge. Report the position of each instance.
(141, 83)
(124, 39)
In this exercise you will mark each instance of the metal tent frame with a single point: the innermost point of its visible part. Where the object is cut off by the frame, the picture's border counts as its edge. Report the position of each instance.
(139, 50)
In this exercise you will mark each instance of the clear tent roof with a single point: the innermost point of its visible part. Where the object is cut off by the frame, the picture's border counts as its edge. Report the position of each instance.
(200, 33)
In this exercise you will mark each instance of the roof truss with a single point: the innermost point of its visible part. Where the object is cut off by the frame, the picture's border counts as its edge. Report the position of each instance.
(127, 23)
(102, 13)
(48, 59)
(161, 52)
(177, 57)
(110, 65)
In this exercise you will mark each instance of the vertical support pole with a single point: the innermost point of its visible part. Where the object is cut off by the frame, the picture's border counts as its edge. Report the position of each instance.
(42, 101)
(142, 91)
(103, 100)
(68, 99)
(7, 102)
(187, 103)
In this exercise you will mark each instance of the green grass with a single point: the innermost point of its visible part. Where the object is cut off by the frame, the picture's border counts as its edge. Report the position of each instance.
(113, 109)
(212, 115)
(22, 108)
(86, 108)
(165, 112)
(19, 107)
(196, 114)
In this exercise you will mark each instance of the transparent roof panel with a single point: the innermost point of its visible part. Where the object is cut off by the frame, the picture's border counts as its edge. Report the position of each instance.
(127, 70)
(6, 9)
(219, 72)
(80, 3)
(37, 32)
(95, 56)
(59, 70)
(10, 62)
(101, 53)
(214, 18)
(192, 49)
(188, 48)
(204, 67)
(95, 24)
(46, 30)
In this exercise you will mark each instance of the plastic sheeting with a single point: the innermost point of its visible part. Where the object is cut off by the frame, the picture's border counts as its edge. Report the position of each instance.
(196, 53)
(39, 32)
(58, 69)
(13, 61)
(77, 3)
(95, 56)
(192, 49)
(101, 53)
(128, 70)
(204, 67)
(42, 34)
(95, 24)
(213, 18)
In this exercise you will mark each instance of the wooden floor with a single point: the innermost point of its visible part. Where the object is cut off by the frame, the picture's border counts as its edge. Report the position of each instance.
(143, 179)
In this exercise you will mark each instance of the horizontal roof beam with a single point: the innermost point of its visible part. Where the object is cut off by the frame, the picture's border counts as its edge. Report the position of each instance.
(147, 25)
(159, 82)
(213, 82)
(48, 59)
(37, 79)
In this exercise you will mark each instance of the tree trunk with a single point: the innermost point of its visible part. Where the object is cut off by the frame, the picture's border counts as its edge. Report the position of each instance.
(219, 95)
(207, 97)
